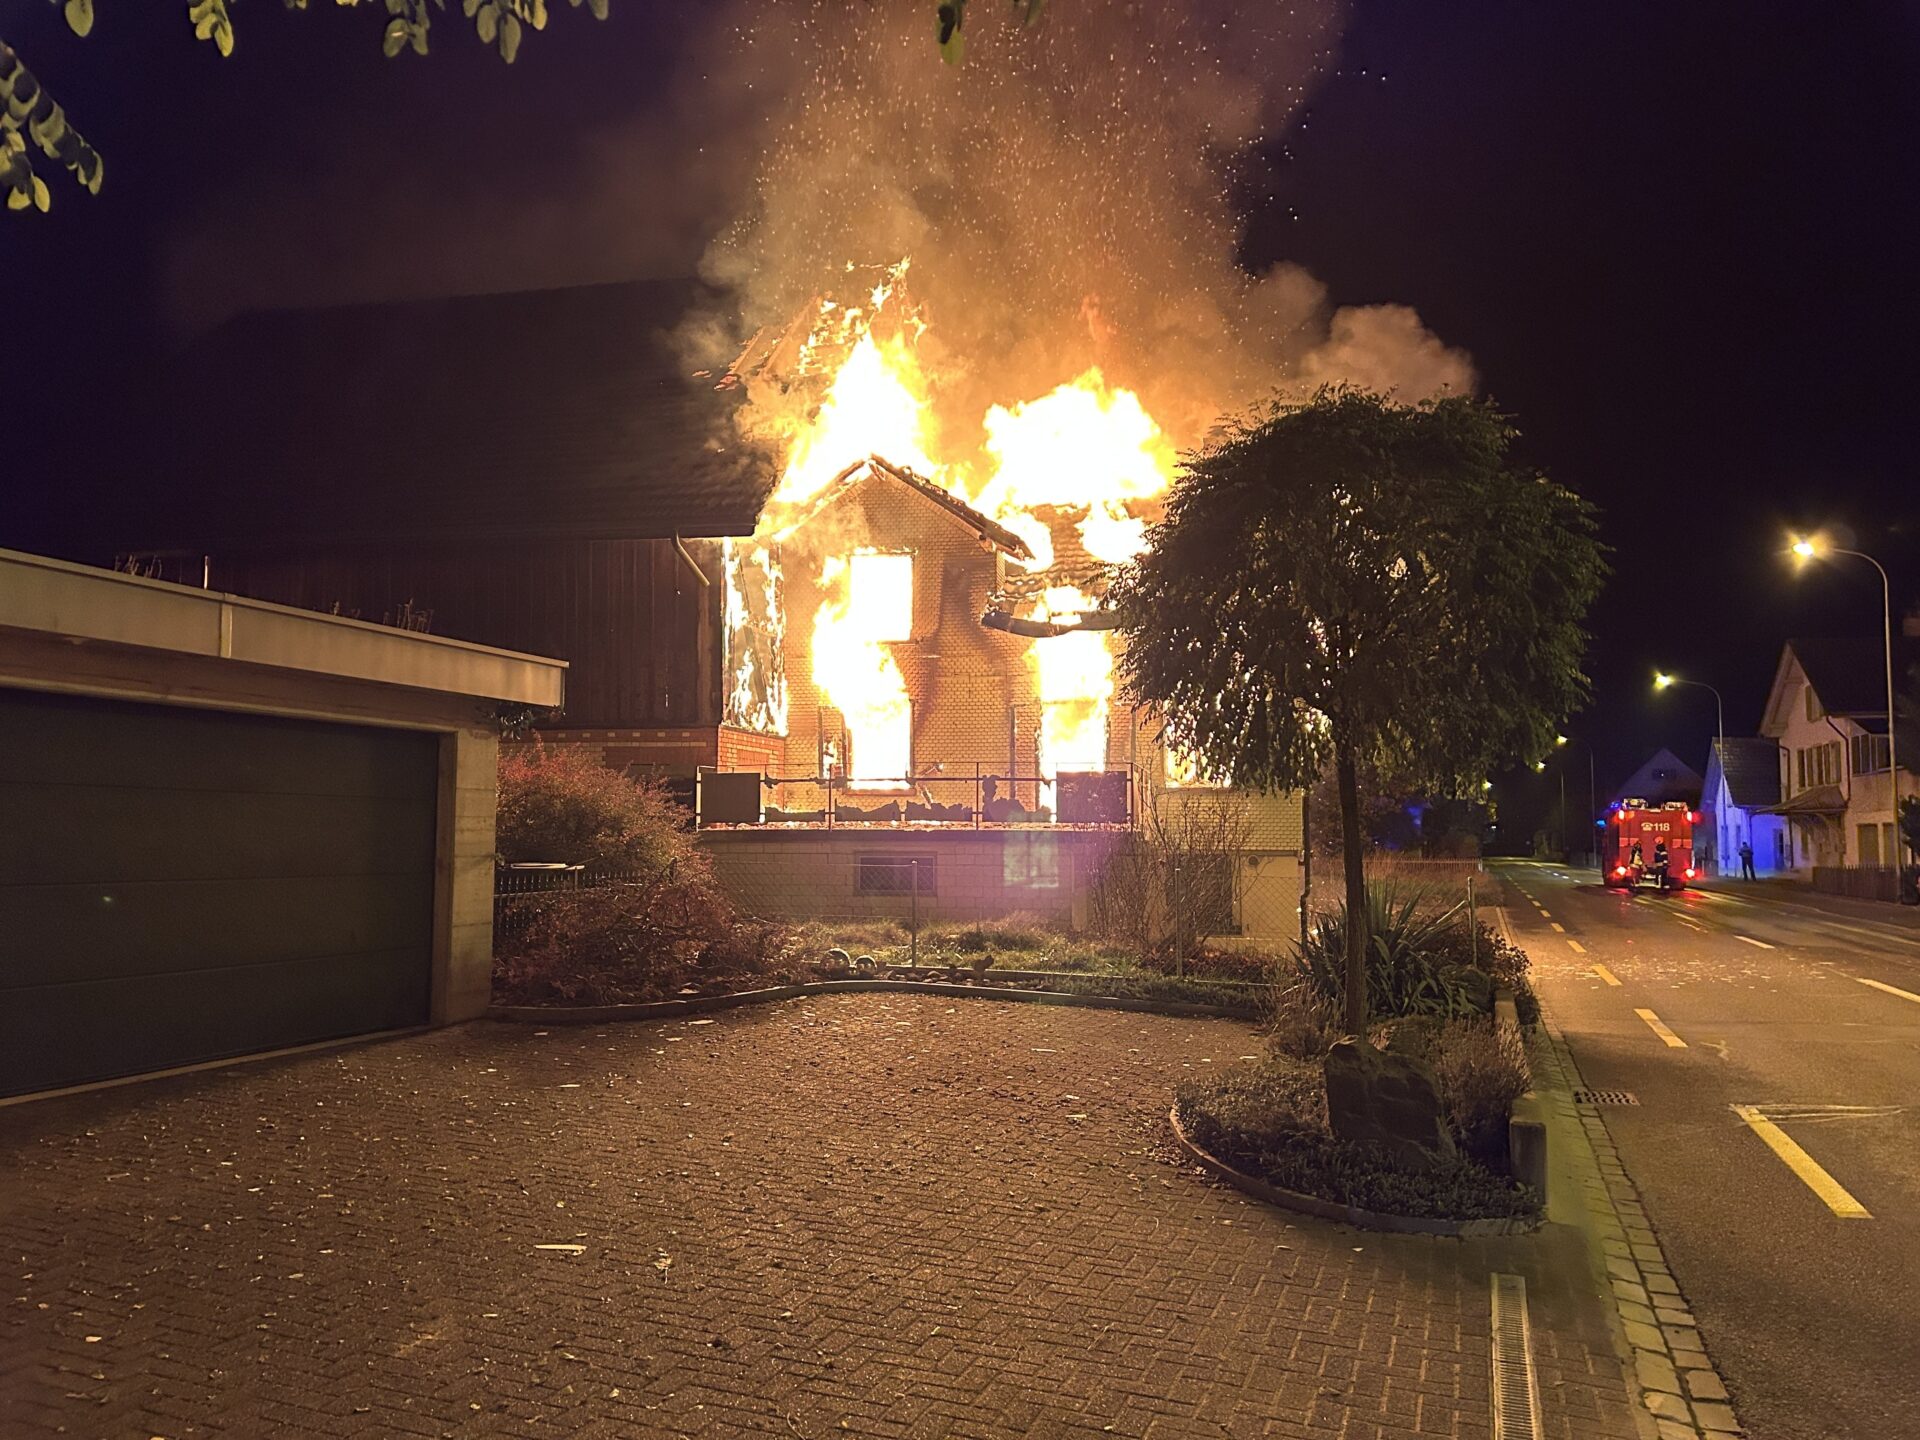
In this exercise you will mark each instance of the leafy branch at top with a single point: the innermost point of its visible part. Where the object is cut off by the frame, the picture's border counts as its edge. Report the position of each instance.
(24, 106)
(31, 121)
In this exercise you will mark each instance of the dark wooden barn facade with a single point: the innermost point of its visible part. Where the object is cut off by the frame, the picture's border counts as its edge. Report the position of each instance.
(543, 472)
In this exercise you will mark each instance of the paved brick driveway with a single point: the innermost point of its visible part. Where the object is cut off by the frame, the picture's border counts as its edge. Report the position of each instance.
(887, 1216)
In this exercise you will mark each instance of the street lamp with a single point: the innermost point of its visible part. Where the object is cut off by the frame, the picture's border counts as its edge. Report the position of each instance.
(1813, 547)
(1593, 807)
(1664, 681)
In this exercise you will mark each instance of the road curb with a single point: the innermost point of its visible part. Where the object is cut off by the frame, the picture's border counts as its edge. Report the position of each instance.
(1678, 1393)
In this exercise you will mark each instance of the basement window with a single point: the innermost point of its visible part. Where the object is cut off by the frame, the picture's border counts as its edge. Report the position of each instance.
(896, 875)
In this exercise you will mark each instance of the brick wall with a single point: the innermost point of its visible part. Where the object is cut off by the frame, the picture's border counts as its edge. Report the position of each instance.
(961, 678)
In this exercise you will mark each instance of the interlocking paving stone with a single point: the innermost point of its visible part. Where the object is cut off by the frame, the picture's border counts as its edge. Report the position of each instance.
(889, 1216)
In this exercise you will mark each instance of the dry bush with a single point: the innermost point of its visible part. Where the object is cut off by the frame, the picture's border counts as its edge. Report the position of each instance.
(559, 804)
(652, 920)
(1172, 882)
(635, 941)
(1482, 1069)
(1302, 1023)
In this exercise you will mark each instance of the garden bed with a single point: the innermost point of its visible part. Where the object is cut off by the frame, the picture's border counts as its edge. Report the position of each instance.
(1264, 1129)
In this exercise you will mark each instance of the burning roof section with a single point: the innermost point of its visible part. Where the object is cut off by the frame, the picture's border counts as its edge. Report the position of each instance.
(991, 532)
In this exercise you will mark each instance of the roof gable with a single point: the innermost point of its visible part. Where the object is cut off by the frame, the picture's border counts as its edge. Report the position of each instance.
(876, 468)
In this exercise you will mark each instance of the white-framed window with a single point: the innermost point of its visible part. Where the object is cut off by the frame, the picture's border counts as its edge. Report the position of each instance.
(1871, 754)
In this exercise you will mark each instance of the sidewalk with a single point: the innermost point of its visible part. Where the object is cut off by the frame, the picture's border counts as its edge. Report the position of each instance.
(894, 1218)
(1801, 895)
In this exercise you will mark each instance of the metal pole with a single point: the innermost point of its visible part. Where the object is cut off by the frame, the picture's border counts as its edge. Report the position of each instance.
(913, 883)
(1893, 739)
(1593, 806)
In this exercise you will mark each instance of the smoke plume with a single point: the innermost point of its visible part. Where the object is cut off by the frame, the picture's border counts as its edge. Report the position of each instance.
(1061, 195)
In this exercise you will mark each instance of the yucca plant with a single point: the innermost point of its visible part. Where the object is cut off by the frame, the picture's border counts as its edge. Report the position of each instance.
(1409, 942)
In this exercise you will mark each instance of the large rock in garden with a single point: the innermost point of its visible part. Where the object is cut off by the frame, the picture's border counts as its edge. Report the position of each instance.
(1387, 1100)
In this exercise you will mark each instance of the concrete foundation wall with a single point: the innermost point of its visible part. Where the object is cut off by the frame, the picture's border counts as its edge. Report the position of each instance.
(969, 875)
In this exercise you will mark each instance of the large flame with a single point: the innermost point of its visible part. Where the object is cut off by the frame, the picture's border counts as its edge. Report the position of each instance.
(1075, 678)
(1085, 456)
(876, 405)
(869, 602)
(1084, 445)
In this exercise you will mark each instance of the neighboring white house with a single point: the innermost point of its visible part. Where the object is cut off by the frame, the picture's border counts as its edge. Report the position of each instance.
(1739, 803)
(1827, 711)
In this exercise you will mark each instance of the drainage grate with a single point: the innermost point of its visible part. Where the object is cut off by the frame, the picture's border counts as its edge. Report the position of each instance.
(1605, 1097)
(1516, 1396)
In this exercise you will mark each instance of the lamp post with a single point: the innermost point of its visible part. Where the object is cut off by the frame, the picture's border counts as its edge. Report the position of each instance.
(1663, 681)
(1560, 741)
(1812, 547)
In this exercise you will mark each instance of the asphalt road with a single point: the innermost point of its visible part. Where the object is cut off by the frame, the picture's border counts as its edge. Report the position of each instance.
(1810, 1313)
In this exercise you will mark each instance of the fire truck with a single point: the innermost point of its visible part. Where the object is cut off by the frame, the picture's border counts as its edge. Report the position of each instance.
(1635, 830)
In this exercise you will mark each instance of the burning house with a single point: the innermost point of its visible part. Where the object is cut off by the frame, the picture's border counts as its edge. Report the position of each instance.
(872, 655)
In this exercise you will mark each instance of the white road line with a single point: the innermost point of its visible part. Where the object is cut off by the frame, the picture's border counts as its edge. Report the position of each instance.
(1890, 989)
(1604, 973)
(1831, 1192)
(1578, 948)
(1659, 1027)
(1749, 940)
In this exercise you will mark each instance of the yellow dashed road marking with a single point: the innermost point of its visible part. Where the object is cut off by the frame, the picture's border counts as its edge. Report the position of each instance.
(1604, 973)
(1558, 928)
(1890, 989)
(1578, 948)
(1659, 1027)
(1831, 1192)
(1751, 941)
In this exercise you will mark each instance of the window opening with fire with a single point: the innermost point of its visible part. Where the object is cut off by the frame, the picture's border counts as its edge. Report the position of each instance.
(866, 606)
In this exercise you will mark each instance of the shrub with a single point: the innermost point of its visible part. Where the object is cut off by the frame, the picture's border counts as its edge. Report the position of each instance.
(641, 940)
(1421, 957)
(1256, 1107)
(1408, 950)
(1019, 931)
(1482, 1070)
(561, 804)
(1302, 1024)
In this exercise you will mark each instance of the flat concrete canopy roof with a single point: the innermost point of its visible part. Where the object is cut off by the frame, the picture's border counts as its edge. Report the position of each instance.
(84, 603)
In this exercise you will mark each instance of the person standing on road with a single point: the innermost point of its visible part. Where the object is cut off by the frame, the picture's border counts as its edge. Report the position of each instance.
(1746, 861)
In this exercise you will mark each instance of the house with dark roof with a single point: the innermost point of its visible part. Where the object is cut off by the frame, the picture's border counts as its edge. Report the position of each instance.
(1663, 776)
(548, 472)
(1738, 807)
(1827, 712)
(540, 471)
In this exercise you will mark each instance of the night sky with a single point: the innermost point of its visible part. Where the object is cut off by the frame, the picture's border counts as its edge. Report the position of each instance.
(1681, 243)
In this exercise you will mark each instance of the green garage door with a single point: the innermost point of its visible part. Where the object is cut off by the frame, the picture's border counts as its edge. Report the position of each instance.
(180, 885)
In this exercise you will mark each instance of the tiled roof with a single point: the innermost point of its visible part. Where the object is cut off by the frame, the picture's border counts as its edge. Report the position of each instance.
(1850, 675)
(1752, 770)
(542, 413)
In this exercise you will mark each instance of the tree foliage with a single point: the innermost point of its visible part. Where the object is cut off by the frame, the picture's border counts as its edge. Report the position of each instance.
(1353, 579)
(28, 114)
